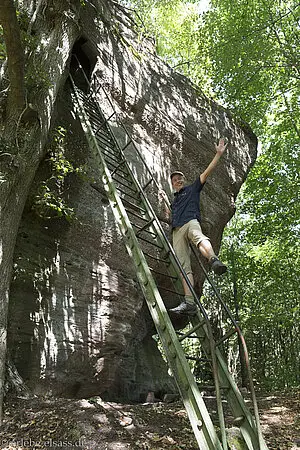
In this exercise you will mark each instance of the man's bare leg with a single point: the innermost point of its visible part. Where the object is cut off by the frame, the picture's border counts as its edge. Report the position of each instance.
(207, 251)
(186, 289)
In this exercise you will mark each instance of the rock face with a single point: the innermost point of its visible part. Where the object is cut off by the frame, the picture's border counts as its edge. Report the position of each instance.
(78, 323)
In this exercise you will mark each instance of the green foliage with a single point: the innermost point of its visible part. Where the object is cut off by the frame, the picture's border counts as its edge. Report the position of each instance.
(37, 78)
(174, 26)
(49, 202)
(267, 274)
(23, 18)
(253, 49)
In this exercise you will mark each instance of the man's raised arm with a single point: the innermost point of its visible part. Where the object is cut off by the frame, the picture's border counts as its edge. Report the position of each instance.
(220, 149)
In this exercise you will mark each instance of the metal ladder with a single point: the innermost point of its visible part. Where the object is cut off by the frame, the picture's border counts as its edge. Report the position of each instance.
(153, 257)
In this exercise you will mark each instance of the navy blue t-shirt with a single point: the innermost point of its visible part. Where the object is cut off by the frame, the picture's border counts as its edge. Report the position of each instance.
(186, 204)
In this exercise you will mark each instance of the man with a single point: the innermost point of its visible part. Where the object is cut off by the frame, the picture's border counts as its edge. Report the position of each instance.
(186, 227)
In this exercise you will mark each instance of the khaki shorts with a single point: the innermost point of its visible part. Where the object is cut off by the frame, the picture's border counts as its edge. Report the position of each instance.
(182, 236)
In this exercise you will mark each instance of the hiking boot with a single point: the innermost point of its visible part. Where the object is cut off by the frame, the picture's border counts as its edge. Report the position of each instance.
(185, 308)
(217, 266)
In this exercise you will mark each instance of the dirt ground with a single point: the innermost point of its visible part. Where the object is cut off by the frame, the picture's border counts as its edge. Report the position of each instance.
(90, 424)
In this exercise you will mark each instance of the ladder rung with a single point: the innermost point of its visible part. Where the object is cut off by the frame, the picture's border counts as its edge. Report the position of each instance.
(108, 152)
(125, 146)
(191, 330)
(89, 107)
(194, 337)
(125, 194)
(92, 108)
(105, 121)
(93, 115)
(170, 290)
(93, 93)
(226, 336)
(156, 259)
(208, 387)
(128, 187)
(119, 165)
(102, 132)
(125, 177)
(150, 233)
(116, 171)
(196, 358)
(145, 219)
(166, 254)
(132, 205)
(103, 138)
(121, 186)
(81, 95)
(88, 99)
(108, 155)
(141, 229)
(147, 184)
(164, 274)
(150, 242)
(96, 122)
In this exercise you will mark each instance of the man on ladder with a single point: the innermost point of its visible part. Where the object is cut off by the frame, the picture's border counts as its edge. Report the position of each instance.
(186, 227)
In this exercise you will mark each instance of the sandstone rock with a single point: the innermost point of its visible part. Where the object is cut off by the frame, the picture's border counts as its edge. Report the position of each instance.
(78, 324)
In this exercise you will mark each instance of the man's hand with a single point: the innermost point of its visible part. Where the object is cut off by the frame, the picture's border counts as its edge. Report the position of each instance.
(221, 147)
(162, 196)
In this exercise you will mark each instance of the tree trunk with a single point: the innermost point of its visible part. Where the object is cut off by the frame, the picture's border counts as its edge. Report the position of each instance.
(14, 49)
(23, 146)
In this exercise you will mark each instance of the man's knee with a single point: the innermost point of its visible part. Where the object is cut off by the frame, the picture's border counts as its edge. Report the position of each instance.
(204, 243)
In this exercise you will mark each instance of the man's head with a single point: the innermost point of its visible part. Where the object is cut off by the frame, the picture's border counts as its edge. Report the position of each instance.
(177, 180)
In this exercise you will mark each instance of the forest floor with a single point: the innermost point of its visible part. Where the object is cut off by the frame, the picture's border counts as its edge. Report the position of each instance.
(92, 424)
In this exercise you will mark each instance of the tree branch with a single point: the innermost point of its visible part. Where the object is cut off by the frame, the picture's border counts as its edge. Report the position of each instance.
(15, 56)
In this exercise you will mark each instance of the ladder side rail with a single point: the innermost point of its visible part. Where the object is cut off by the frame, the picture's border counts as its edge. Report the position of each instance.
(236, 400)
(243, 342)
(204, 431)
(234, 397)
(82, 70)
